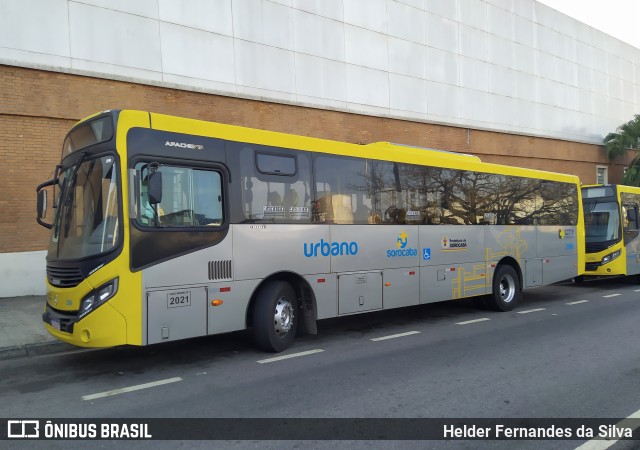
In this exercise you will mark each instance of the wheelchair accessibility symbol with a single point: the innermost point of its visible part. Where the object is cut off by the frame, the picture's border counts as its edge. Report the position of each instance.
(426, 253)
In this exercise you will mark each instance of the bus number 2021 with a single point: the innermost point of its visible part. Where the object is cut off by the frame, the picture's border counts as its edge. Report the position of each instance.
(177, 299)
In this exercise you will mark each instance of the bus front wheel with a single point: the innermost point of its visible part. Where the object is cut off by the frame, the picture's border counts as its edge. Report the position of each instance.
(506, 289)
(275, 316)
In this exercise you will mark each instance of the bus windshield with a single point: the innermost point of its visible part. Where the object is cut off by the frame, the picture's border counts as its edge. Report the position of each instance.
(602, 222)
(87, 216)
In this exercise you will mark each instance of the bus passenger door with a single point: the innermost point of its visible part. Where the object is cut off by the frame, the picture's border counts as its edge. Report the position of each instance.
(631, 239)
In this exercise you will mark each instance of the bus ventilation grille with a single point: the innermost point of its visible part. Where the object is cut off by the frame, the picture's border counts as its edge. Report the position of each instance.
(220, 270)
(64, 276)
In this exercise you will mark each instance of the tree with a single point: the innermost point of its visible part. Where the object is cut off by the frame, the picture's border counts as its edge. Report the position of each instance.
(626, 137)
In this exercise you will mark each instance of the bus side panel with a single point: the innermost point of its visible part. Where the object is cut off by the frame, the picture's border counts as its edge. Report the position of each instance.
(631, 207)
(452, 262)
(376, 266)
(177, 292)
(192, 268)
(452, 281)
(452, 244)
(325, 290)
(262, 249)
(632, 255)
(516, 241)
(231, 314)
(401, 287)
(557, 246)
(559, 268)
(533, 272)
(376, 247)
(177, 313)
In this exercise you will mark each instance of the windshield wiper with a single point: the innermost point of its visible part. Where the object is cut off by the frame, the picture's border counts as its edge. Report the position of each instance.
(67, 193)
(592, 205)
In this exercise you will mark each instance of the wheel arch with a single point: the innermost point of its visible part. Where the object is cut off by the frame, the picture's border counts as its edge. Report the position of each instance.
(510, 261)
(302, 288)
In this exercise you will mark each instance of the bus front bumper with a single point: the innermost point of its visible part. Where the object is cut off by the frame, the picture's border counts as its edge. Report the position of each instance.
(104, 327)
(600, 268)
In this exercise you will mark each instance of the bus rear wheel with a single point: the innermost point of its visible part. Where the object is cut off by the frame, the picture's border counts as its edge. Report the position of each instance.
(506, 289)
(275, 316)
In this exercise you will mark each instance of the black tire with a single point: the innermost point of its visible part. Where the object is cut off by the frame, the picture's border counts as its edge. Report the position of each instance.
(578, 280)
(507, 291)
(275, 316)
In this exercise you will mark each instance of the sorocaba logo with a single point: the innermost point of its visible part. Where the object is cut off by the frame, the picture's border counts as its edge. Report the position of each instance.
(401, 242)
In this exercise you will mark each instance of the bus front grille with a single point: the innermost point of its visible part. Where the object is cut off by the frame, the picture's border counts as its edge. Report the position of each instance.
(220, 270)
(595, 247)
(64, 276)
(591, 267)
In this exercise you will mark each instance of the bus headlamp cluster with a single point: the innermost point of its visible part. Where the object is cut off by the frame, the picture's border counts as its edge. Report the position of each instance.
(97, 297)
(610, 257)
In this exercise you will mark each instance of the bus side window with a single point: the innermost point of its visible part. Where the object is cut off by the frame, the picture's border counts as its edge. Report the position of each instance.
(389, 192)
(342, 187)
(630, 218)
(275, 184)
(192, 197)
(630, 222)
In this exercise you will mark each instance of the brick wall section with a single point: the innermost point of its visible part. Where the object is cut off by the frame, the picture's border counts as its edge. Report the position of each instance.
(37, 108)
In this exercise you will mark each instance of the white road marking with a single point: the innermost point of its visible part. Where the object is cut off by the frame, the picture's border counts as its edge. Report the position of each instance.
(472, 321)
(631, 422)
(292, 355)
(578, 302)
(131, 388)
(610, 295)
(636, 290)
(532, 310)
(68, 352)
(393, 336)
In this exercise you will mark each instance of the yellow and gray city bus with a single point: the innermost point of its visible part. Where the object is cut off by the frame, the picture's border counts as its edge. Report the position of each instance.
(611, 230)
(167, 228)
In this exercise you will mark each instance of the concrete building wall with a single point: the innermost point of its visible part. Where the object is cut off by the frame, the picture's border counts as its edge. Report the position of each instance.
(504, 65)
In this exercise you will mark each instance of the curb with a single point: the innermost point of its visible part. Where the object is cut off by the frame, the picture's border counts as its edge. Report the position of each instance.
(35, 349)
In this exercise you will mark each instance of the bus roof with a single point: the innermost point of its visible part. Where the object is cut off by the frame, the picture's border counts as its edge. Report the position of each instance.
(617, 187)
(385, 151)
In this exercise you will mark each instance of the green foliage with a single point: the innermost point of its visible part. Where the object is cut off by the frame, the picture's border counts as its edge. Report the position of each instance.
(626, 137)
(632, 176)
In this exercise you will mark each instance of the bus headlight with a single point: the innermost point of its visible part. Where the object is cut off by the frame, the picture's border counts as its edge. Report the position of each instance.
(610, 257)
(97, 297)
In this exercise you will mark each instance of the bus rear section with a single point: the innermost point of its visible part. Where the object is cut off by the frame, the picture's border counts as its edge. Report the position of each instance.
(611, 230)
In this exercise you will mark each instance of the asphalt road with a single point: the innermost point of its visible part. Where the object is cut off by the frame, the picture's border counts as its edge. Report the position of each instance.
(566, 351)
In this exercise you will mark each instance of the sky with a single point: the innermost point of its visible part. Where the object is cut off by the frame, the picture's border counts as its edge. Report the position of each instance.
(618, 18)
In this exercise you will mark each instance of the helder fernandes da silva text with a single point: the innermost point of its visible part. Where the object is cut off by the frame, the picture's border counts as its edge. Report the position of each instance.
(553, 432)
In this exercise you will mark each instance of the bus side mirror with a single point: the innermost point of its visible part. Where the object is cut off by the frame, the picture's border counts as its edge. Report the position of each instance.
(42, 204)
(155, 188)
